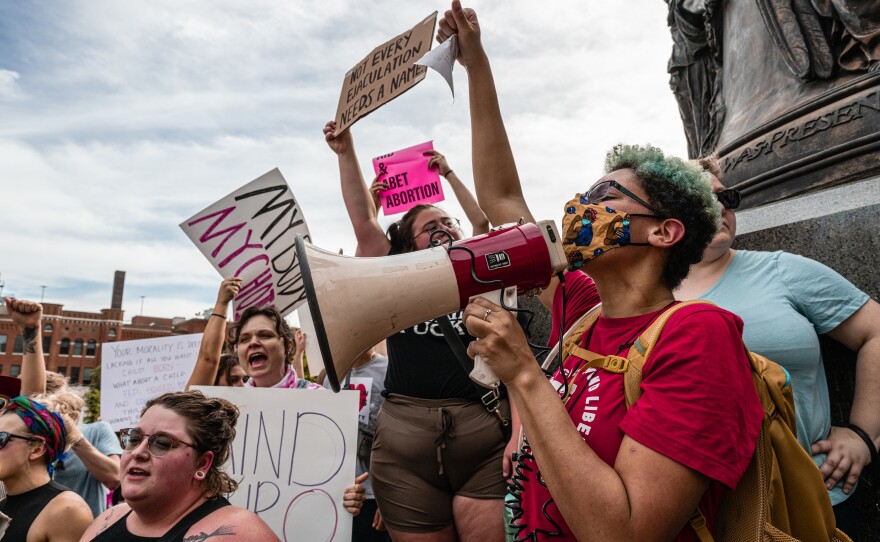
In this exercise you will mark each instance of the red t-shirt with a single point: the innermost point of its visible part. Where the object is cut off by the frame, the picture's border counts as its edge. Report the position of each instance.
(699, 407)
(580, 296)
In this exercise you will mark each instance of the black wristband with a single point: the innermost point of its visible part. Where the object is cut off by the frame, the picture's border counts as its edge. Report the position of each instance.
(868, 442)
(447, 173)
(218, 315)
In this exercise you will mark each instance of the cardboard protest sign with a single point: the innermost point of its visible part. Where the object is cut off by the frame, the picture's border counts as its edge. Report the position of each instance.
(250, 234)
(133, 372)
(384, 74)
(409, 184)
(442, 60)
(294, 455)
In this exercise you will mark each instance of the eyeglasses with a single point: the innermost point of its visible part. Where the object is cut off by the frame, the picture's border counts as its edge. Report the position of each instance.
(730, 198)
(599, 193)
(158, 444)
(445, 222)
(5, 436)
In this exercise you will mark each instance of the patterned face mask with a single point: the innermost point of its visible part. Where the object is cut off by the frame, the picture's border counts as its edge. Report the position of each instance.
(591, 229)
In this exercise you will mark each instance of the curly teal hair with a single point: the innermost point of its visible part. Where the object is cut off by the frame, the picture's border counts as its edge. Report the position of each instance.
(679, 190)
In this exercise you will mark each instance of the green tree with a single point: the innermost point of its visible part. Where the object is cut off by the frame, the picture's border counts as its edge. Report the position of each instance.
(93, 397)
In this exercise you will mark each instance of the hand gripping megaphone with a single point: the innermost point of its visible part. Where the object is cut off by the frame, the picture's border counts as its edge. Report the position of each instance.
(356, 302)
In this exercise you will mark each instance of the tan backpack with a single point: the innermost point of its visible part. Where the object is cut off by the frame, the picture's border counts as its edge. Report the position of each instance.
(781, 497)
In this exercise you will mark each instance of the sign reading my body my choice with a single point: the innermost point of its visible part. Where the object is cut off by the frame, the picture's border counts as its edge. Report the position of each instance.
(384, 74)
(133, 372)
(250, 234)
(410, 180)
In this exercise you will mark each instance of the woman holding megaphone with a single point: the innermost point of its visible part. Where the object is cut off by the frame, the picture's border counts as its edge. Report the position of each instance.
(437, 455)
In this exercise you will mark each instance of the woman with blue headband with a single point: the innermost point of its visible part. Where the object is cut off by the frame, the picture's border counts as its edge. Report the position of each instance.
(32, 439)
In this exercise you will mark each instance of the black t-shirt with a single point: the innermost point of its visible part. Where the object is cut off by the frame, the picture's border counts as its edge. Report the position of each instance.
(421, 364)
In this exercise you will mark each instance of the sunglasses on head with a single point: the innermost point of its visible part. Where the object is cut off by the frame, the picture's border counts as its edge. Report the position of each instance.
(158, 444)
(5, 436)
(730, 198)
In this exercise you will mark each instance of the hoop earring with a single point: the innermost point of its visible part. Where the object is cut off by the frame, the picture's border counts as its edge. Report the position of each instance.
(200, 475)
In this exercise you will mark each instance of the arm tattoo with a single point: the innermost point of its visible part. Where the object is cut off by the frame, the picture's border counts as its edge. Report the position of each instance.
(30, 340)
(223, 530)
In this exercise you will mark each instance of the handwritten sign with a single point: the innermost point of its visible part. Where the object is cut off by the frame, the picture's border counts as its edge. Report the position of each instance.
(249, 234)
(410, 180)
(133, 372)
(409, 184)
(294, 455)
(442, 60)
(384, 74)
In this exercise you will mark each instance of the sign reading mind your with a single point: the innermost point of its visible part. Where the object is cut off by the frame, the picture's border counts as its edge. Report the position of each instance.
(387, 72)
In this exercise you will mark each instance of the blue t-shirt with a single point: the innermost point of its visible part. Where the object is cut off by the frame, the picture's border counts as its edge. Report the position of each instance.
(786, 302)
(76, 476)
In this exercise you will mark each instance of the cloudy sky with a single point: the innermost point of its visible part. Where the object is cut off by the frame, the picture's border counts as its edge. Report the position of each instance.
(118, 120)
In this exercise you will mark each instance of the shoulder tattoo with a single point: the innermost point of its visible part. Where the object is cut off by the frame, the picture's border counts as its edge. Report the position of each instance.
(223, 530)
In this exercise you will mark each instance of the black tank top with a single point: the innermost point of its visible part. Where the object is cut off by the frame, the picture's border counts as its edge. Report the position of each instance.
(119, 530)
(24, 508)
(421, 364)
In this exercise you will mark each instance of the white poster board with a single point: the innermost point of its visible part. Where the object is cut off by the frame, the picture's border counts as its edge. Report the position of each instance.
(133, 372)
(294, 455)
(250, 234)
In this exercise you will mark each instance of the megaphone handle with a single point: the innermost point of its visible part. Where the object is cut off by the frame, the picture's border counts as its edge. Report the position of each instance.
(482, 374)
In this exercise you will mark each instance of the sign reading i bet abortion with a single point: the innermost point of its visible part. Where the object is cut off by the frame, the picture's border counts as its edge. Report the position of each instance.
(133, 372)
(410, 180)
(250, 234)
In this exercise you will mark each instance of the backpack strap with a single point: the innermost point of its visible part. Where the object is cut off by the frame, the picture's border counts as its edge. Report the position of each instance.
(698, 524)
(642, 347)
(571, 341)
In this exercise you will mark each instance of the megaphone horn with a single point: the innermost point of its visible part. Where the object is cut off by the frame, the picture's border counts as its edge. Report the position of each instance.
(356, 302)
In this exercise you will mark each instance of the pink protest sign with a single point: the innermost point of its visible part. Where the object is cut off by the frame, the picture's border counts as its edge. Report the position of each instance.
(409, 154)
(409, 184)
(410, 181)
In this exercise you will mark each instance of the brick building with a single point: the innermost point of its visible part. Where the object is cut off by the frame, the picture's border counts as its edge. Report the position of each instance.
(72, 339)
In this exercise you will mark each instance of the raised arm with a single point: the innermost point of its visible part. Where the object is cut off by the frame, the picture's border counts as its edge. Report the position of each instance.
(495, 177)
(299, 340)
(208, 360)
(358, 201)
(28, 316)
(475, 215)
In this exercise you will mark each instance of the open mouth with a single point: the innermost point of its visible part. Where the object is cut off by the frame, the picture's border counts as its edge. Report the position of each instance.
(257, 360)
(135, 472)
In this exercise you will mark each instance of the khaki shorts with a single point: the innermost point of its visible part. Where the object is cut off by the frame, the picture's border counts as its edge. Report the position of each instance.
(426, 452)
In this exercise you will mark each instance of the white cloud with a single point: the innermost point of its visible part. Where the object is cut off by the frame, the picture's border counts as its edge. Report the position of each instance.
(9, 88)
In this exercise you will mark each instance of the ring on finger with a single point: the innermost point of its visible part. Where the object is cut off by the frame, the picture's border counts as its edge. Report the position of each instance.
(486, 316)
